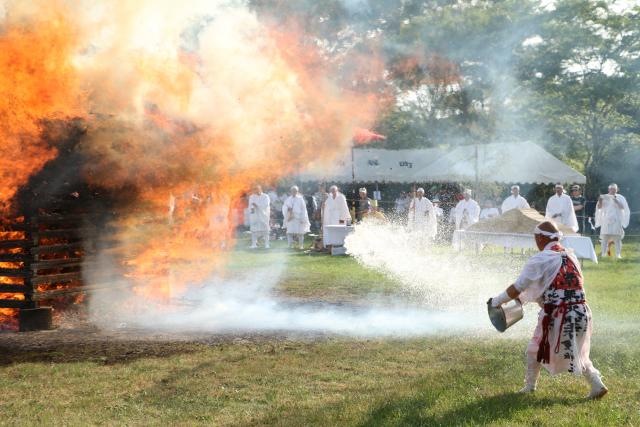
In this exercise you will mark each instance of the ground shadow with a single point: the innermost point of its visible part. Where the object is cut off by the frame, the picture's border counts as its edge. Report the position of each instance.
(411, 411)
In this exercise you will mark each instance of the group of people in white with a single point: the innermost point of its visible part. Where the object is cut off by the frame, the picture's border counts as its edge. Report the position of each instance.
(612, 214)
(295, 215)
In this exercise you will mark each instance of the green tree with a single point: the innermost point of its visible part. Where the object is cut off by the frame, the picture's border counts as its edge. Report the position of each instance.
(584, 72)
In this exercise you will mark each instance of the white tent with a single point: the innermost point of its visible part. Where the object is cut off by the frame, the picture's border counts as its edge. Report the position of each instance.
(498, 162)
(376, 165)
(524, 162)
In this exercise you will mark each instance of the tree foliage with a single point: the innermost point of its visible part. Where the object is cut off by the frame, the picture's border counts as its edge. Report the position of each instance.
(564, 74)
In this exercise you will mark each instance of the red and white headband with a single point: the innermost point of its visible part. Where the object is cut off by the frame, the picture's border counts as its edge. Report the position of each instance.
(556, 235)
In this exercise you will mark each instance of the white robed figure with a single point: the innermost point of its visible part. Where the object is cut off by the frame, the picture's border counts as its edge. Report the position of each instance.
(612, 216)
(466, 212)
(560, 209)
(296, 218)
(335, 210)
(422, 215)
(514, 201)
(561, 341)
(259, 216)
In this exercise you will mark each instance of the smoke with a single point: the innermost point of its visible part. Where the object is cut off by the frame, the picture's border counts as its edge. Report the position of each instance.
(186, 105)
(439, 292)
(246, 302)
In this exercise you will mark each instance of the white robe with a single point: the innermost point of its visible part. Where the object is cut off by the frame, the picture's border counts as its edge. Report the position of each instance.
(611, 218)
(511, 202)
(537, 275)
(467, 212)
(562, 208)
(259, 216)
(335, 210)
(487, 213)
(422, 216)
(296, 218)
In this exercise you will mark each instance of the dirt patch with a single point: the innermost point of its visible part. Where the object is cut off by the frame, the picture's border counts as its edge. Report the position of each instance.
(83, 341)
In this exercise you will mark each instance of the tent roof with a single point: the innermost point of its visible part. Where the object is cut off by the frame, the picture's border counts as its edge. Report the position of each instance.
(499, 162)
(523, 162)
(379, 165)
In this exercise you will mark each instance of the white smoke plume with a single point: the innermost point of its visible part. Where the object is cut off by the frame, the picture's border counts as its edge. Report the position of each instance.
(246, 303)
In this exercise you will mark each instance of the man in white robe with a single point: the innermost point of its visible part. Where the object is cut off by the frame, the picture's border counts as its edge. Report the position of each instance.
(489, 210)
(466, 212)
(562, 339)
(560, 209)
(259, 216)
(514, 201)
(612, 216)
(422, 215)
(335, 210)
(296, 218)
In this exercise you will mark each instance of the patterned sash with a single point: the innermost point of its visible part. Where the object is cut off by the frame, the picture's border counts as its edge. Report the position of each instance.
(568, 278)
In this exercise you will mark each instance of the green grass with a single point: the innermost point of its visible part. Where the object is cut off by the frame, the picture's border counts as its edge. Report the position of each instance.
(276, 380)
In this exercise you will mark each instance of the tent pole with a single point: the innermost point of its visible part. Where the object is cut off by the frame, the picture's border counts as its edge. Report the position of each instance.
(353, 167)
(584, 209)
(477, 174)
(353, 180)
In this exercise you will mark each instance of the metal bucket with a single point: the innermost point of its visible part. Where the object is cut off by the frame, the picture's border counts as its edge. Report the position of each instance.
(504, 316)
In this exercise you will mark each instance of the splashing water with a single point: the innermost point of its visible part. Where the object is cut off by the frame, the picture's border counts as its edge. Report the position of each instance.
(439, 278)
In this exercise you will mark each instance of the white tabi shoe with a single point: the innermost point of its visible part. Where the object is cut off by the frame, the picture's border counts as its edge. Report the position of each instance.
(527, 389)
(531, 375)
(598, 389)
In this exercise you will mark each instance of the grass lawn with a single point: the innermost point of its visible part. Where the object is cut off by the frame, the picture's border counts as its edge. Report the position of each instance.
(323, 380)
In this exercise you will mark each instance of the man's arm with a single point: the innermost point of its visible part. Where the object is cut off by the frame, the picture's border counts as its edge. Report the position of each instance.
(507, 295)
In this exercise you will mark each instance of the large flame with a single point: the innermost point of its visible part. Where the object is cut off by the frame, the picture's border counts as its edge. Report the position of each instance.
(37, 83)
(187, 106)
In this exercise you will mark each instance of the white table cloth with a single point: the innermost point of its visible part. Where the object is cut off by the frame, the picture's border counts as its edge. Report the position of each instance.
(335, 234)
(583, 246)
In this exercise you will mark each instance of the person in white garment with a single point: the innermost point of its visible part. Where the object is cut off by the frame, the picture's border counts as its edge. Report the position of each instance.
(259, 217)
(612, 216)
(515, 200)
(422, 215)
(466, 212)
(296, 218)
(335, 210)
(489, 210)
(436, 207)
(561, 341)
(560, 209)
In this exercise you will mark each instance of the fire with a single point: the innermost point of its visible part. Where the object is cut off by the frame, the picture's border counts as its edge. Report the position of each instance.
(37, 83)
(186, 113)
(250, 105)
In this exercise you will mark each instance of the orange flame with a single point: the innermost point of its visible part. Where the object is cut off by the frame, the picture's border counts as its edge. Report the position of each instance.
(37, 83)
(183, 132)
